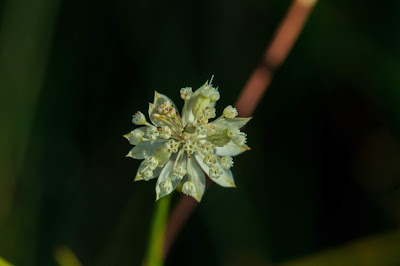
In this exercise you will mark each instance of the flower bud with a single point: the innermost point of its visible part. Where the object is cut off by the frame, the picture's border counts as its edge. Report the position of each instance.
(186, 93)
(166, 186)
(189, 188)
(230, 112)
(226, 162)
(139, 119)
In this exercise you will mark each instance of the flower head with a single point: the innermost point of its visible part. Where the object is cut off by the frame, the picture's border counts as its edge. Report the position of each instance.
(184, 149)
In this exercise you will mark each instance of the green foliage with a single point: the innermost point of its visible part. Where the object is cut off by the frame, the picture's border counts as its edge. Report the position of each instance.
(154, 255)
(377, 250)
(4, 263)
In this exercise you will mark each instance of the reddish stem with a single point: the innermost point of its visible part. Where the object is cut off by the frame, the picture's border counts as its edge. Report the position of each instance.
(256, 86)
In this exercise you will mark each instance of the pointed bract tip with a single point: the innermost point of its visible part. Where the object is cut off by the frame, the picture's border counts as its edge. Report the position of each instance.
(138, 178)
(198, 200)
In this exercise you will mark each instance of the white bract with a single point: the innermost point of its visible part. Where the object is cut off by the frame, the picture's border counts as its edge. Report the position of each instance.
(182, 150)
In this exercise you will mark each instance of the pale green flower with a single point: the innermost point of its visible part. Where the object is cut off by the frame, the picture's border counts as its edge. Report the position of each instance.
(182, 150)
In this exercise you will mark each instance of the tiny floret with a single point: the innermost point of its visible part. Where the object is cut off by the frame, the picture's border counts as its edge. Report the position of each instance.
(139, 119)
(189, 188)
(210, 92)
(207, 148)
(165, 132)
(172, 146)
(166, 186)
(164, 108)
(134, 137)
(238, 137)
(226, 162)
(152, 133)
(210, 159)
(147, 174)
(215, 171)
(152, 162)
(190, 146)
(182, 149)
(200, 128)
(230, 112)
(232, 132)
(186, 93)
(209, 112)
(179, 171)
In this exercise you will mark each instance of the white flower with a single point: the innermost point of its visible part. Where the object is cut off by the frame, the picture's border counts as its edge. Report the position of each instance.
(184, 149)
(230, 112)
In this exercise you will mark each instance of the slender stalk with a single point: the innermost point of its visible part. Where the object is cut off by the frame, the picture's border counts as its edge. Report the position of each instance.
(275, 54)
(154, 256)
(258, 82)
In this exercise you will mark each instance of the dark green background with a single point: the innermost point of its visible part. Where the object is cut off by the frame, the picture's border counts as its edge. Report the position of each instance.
(324, 168)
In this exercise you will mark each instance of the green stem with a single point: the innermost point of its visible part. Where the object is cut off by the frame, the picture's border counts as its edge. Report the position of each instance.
(154, 256)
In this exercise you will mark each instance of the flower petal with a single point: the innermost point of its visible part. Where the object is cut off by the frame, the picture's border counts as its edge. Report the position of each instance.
(197, 176)
(145, 148)
(162, 120)
(225, 180)
(238, 122)
(156, 122)
(166, 173)
(160, 98)
(152, 106)
(187, 112)
(139, 177)
(231, 149)
(141, 130)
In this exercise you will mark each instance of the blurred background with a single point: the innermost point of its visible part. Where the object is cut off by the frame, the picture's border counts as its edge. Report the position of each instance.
(321, 185)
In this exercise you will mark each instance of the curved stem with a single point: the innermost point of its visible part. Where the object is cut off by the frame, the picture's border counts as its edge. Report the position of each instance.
(154, 256)
(251, 94)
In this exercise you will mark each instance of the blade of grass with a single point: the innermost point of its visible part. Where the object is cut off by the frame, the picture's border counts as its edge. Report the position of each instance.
(154, 255)
(25, 39)
(3, 262)
(376, 250)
